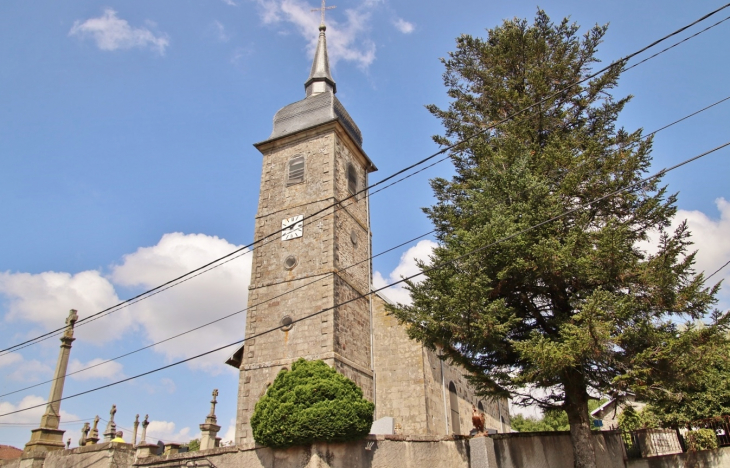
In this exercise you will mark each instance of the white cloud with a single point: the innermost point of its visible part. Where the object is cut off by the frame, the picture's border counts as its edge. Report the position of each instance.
(30, 416)
(230, 2)
(30, 371)
(45, 299)
(711, 237)
(404, 26)
(345, 41)
(406, 267)
(10, 359)
(112, 33)
(214, 294)
(20, 369)
(109, 371)
(230, 434)
(165, 431)
(220, 31)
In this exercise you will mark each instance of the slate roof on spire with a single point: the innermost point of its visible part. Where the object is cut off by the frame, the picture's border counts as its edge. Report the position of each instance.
(320, 68)
(320, 104)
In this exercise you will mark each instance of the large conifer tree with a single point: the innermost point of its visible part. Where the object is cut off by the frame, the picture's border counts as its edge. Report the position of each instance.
(574, 307)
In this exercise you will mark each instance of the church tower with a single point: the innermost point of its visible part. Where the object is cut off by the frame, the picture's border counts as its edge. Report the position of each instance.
(312, 160)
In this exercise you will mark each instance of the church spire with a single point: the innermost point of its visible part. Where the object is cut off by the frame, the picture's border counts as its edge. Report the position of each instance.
(320, 80)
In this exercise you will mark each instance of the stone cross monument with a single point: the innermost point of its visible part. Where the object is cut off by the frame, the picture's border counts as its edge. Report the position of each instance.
(84, 434)
(94, 436)
(111, 426)
(48, 436)
(209, 429)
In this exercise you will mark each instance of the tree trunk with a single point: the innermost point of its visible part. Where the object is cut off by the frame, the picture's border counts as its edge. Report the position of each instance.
(576, 405)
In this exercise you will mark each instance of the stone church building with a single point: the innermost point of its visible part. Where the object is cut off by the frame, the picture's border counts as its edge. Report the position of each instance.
(312, 196)
(311, 283)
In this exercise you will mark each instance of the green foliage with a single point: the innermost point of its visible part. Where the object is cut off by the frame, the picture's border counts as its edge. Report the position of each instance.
(690, 378)
(552, 420)
(193, 445)
(311, 403)
(575, 306)
(701, 439)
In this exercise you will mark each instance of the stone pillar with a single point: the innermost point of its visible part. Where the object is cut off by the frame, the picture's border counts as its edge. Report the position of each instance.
(48, 436)
(145, 450)
(171, 448)
(94, 436)
(111, 426)
(145, 423)
(136, 426)
(210, 428)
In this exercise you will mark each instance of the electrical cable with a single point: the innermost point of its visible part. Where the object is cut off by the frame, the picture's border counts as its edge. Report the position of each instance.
(323, 276)
(406, 169)
(636, 185)
(327, 275)
(718, 270)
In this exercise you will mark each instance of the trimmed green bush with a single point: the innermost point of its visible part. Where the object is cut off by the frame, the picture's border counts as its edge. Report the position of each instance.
(701, 439)
(311, 403)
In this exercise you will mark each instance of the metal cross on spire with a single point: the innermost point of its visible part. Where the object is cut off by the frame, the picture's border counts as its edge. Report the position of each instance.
(322, 9)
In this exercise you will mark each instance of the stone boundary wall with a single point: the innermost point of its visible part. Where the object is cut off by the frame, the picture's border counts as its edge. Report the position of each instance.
(104, 455)
(542, 450)
(372, 452)
(704, 459)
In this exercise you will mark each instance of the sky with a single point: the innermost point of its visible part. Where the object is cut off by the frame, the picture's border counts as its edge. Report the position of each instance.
(126, 133)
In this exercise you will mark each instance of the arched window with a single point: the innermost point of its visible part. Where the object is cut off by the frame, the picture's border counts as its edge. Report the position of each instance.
(480, 407)
(296, 170)
(454, 403)
(351, 179)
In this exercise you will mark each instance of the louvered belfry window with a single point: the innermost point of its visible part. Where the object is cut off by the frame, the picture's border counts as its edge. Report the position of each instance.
(351, 179)
(296, 171)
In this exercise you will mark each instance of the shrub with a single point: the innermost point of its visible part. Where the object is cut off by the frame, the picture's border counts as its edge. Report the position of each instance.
(311, 403)
(701, 439)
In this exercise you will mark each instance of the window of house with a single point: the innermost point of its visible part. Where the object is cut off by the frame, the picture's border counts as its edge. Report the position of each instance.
(296, 171)
(351, 179)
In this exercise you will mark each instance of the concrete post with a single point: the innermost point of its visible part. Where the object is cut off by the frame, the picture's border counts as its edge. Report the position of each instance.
(48, 436)
(481, 451)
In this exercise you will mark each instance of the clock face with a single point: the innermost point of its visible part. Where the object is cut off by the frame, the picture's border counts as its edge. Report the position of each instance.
(291, 228)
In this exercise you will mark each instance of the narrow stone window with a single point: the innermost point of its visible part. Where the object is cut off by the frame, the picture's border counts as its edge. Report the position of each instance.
(454, 403)
(296, 170)
(480, 407)
(351, 179)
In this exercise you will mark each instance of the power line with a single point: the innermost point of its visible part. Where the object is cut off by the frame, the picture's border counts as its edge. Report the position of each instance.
(675, 122)
(323, 276)
(406, 169)
(636, 185)
(718, 270)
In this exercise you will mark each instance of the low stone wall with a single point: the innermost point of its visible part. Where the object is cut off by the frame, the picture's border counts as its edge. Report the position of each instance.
(104, 455)
(704, 459)
(542, 450)
(381, 451)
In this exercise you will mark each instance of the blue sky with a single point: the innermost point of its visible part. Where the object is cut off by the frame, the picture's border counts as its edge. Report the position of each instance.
(126, 132)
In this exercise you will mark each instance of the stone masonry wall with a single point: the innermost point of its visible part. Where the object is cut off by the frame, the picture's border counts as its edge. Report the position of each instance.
(341, 337)
(409, 384)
